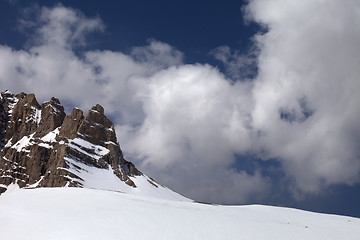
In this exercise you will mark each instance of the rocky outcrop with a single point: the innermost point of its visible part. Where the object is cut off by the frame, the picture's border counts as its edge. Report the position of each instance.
(71, 124)
(3, 120)
(52, 116)
(41, 146)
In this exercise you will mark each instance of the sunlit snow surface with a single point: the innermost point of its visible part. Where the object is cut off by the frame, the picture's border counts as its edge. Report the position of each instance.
(98, 178)
(75, 213)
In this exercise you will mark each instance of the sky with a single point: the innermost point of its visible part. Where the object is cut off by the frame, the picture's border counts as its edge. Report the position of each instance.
(232, 102)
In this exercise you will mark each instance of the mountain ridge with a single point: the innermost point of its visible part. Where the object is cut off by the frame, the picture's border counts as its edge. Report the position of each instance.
(41, 146)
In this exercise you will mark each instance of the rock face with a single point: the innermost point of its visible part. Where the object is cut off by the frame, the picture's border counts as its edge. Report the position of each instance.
(41, 146)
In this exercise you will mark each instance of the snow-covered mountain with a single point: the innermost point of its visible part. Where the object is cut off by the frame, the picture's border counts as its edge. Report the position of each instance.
(65, 177)
(41, 146)
(80, 213)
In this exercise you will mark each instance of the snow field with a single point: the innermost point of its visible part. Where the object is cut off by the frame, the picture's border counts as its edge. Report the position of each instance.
(75, 213)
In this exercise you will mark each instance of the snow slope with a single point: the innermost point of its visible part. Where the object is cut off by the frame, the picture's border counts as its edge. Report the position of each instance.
(105, 179)
(80, 213)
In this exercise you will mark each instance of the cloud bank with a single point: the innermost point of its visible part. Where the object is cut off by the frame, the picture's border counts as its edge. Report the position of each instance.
(185, 124)
(306, 93)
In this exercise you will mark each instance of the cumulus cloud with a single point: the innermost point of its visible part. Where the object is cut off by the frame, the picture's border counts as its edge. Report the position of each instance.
(184, 124)
(306, 93)
(195, 122)
(238, 66)
(58, 26)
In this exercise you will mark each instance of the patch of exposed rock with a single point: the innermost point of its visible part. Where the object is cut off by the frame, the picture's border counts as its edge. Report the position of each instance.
(40, 143)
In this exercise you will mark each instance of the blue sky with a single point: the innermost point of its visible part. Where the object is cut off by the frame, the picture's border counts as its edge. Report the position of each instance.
(230, 102)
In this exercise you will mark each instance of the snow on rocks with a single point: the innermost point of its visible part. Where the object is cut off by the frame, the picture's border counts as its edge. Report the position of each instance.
(23, 143)
(51, 136)
(87, 148)
(35, 116)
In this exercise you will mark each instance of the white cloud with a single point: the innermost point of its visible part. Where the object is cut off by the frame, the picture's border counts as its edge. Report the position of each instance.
(192, 107)
(62, 27)
(238, 66)
(157, 54)
(309, 62)
(195, 121)
(184, 124)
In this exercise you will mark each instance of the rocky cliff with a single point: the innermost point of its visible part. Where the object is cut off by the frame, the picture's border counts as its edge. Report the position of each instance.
(41, 146)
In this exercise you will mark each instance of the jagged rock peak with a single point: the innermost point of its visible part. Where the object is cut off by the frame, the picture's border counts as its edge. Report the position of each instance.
(52, 116)
(55, 100)
(71, 123)
(41, 146)
(31, 100)
(98, 108)
(96, 115)
(54, 105)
